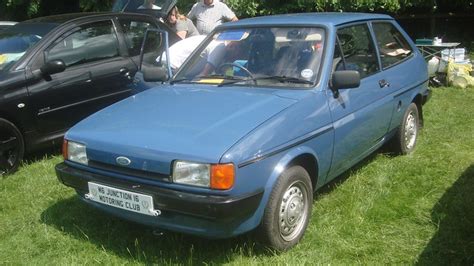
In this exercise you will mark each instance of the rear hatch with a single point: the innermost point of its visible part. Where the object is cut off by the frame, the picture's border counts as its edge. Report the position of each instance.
(163, 7)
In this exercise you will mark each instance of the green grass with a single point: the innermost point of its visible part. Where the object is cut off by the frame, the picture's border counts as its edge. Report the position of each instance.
(416, 209)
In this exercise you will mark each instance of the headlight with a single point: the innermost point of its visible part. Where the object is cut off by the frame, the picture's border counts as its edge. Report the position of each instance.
(195, 174)
(215, 176)
(75, 152)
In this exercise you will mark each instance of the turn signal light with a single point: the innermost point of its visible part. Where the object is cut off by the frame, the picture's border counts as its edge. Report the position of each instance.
(64, 149)
(222, 176)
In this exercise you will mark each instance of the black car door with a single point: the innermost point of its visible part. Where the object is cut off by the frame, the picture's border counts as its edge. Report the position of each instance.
(97, 74)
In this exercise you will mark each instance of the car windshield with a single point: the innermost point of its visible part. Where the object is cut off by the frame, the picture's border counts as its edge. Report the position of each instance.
(265, 56)
(17, 40)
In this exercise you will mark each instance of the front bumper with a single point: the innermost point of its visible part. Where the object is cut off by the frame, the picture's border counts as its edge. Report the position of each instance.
(205, 215)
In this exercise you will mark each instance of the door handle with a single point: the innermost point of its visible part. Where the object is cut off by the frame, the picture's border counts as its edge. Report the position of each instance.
(125, 72)
(383, 83)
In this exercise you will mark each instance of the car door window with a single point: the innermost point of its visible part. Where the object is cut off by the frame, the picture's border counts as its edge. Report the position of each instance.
(392, 45)
(91, 42)
(134, 32)
(358, 52)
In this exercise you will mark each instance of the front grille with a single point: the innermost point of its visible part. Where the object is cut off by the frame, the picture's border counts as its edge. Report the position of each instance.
(128, 171)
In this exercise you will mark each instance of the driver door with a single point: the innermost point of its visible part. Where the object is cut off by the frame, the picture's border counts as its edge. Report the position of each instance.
(361, 116)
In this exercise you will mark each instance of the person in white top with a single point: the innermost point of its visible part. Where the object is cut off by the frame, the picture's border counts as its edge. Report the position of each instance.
(180, 51)
(210, 13)
(149, 4)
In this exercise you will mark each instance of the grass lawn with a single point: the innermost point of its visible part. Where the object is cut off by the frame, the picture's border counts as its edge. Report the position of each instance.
(416, 209)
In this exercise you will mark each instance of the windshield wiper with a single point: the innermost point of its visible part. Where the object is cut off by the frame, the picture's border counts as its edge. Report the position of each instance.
(287, 79)
(278, 78)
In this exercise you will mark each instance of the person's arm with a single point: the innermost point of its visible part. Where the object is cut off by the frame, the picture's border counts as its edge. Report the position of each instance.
(182, 34)
(228, 14)
(215, 54)
(181, 28)
(208, 68)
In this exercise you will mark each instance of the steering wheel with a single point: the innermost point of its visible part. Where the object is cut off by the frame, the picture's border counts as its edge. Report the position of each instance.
(250, 74)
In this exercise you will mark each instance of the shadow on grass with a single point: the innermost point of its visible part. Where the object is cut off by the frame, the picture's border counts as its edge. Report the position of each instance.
(41, 154)
(137, 243)
(333, 184)
(453, 243)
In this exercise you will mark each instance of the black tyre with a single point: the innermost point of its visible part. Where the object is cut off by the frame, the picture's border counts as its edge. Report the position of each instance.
(12, 147)
(404, 141)
(288, 210)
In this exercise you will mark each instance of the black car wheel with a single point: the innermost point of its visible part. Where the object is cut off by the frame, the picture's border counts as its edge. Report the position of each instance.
(11, 147)
(288, 210)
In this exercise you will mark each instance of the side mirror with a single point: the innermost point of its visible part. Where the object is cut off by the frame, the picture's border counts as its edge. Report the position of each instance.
(345, 79)
(155, 73)
(53, 67)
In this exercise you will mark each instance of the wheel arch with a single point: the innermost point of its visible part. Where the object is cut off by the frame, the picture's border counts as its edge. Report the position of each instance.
(303, 156)
(284, 173)
(309, 162)
(12, 153)
(11, 118)
(418, 100)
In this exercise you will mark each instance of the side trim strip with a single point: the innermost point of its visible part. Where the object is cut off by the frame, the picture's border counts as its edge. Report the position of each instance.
(312, 135)
(407, 90)
(81, 102)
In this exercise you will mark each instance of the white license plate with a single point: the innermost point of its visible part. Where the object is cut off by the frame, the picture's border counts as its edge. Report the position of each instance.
(122, 199)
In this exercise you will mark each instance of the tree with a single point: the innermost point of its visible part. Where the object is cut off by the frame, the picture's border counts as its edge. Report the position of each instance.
(19, 10)
(25, 9)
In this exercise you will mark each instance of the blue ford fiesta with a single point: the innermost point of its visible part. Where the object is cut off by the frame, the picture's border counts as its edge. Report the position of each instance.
(264, 112)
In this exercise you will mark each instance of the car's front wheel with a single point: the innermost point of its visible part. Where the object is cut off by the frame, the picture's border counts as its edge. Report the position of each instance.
(11, 147)
(288, 210)
(404, 141)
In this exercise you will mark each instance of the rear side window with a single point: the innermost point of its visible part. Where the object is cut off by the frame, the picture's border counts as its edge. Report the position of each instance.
(92, 42)
(358, 51)
(134, 32)
(391, 43)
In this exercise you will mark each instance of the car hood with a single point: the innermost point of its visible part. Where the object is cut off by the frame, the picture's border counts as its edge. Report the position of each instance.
(196, 123)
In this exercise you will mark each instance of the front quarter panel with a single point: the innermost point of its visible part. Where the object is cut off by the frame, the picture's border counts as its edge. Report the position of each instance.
(262, 176)
(14, 102)
(305, 127)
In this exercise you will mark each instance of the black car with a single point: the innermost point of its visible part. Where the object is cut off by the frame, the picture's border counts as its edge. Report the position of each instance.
(55, 71)
(6, 24)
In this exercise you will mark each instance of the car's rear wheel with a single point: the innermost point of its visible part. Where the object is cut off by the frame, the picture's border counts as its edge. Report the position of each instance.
(12, 147)
(288, 210)
(406, 137)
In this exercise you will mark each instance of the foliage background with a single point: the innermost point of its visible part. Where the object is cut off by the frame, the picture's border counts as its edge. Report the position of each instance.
(24, 9)
(420, 18)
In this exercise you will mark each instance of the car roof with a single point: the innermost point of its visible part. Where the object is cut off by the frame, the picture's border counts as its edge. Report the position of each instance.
(59, 19)
(50, 22)
(328, 19)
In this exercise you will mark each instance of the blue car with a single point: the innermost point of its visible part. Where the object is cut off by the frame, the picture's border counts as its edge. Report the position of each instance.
(263, 113)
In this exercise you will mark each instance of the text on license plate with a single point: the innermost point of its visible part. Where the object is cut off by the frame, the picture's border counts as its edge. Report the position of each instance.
(122, 199)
